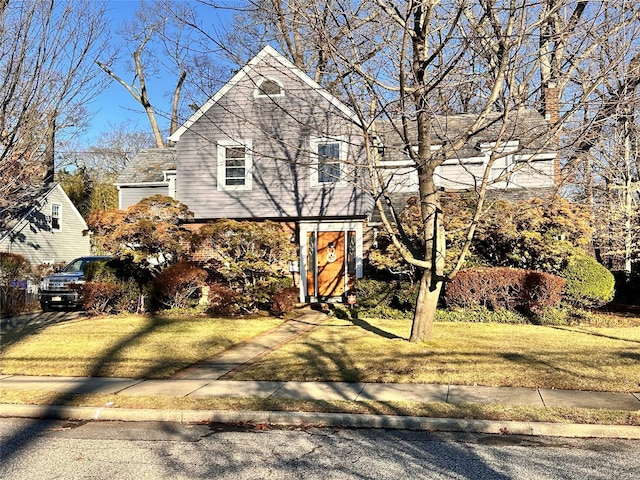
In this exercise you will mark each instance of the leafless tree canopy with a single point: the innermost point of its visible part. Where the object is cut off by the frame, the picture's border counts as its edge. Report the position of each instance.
(412, 64)
(47, 49)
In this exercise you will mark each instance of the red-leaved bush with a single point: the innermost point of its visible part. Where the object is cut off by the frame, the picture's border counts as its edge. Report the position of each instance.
(503, 287)
(222, 300)
(285, 300)
(178, 285)
(100, 297)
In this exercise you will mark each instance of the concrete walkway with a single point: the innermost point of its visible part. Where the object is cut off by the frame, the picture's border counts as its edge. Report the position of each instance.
(213, 378)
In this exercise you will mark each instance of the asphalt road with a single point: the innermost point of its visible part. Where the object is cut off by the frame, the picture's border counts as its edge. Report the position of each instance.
(42, 450)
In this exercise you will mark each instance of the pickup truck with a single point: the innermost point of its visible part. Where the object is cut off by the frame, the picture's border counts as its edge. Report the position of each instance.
(62, 289)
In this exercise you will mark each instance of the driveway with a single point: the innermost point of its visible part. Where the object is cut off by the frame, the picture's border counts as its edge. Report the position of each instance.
(38, 318)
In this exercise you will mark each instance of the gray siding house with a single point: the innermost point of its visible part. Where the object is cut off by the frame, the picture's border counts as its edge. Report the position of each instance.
(49, 230)
(151, 172)
(272, 144)
(525, 160)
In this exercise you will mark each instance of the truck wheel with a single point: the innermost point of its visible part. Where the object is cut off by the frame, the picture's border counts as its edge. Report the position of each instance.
(45, 307)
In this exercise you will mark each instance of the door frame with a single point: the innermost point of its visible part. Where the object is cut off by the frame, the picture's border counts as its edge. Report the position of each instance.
(306, 227)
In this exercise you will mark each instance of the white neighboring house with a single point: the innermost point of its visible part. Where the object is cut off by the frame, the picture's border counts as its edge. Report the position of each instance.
(47, 230)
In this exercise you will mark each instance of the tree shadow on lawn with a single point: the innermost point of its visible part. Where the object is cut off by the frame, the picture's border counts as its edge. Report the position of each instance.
(11, 446)
(352, 316)
(14, 329)
(593, 334)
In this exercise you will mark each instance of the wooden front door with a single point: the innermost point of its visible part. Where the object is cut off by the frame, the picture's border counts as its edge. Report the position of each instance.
(326, 264)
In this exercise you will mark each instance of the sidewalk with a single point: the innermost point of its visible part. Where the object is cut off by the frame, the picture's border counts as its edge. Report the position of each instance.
(213, 378)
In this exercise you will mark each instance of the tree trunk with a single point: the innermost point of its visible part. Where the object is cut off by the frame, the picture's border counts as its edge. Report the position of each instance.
(426, 305)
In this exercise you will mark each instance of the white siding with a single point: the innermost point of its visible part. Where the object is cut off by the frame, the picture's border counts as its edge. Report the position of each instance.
(34, 238)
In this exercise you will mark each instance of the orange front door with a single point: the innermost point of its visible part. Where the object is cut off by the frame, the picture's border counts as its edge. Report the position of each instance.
(326, 265)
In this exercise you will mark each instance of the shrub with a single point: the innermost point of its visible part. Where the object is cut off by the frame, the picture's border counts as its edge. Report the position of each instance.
(178, 285)
(588, 284)
(101, 297)
(480, 315)
(251, 257)
(222, 300)
(13, 268)
(502, 287)
(118, 272)
(259, 294)
(285, 300)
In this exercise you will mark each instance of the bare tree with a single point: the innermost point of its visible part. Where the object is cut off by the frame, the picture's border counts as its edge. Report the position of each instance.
(405, 66)
(515, 55)
(159, 42)
(88, 172)
(47, 49)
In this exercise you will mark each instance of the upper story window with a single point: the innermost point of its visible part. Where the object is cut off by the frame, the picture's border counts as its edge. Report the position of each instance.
(234, 165)
(269, 87)
(56, 217)
(328, 160)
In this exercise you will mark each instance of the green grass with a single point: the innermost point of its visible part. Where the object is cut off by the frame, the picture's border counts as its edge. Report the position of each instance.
(579, 358)
(124, 346)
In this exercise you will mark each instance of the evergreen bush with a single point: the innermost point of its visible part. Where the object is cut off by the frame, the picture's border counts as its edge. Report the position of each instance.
(588, 284)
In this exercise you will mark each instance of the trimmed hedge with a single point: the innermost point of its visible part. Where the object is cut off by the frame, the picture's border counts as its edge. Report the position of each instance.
(589, 284)
(503, 287)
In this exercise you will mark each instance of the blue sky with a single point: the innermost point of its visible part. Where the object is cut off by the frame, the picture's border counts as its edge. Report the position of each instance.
(114, 104)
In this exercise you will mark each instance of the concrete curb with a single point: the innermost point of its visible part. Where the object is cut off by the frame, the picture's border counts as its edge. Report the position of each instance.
(323, 420)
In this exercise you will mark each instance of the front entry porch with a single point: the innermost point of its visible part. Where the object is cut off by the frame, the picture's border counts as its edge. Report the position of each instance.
(330, 259)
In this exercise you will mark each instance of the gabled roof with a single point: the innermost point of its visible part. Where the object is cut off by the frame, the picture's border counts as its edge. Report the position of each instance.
(12, 218)
(148, 166)
(267, 51)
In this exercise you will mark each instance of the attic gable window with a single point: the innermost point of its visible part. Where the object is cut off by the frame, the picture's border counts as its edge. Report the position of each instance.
(234, 165)
(269, 87)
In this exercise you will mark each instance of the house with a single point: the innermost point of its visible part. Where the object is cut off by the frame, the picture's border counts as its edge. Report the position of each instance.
(272, 144)
(49, 229)
(152, 172)
(524, 165)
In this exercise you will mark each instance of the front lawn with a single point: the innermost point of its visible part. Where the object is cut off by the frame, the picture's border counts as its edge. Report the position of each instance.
(132, 346)
(579, 358)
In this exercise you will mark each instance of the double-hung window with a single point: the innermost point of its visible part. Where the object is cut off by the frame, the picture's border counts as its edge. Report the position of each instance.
(328, 157)
(234, 165)
(56, 217)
